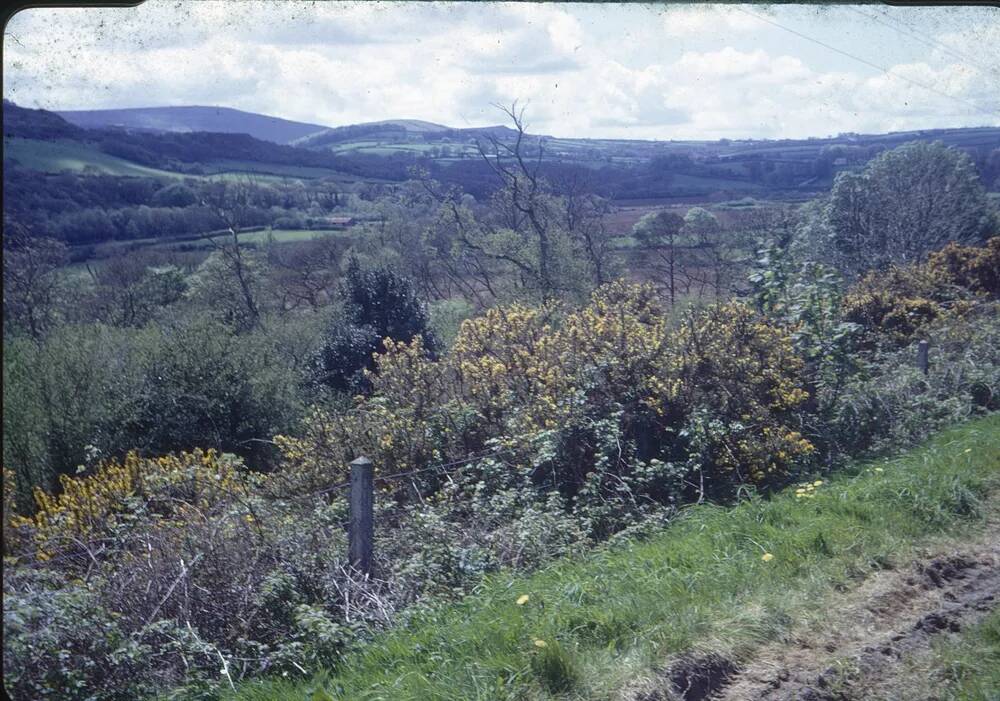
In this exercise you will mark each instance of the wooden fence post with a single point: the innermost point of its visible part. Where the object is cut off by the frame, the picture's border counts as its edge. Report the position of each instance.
(361, 529)
(922, 361)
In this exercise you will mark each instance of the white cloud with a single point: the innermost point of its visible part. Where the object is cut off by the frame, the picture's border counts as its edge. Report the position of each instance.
(623, 71)
(689, 20)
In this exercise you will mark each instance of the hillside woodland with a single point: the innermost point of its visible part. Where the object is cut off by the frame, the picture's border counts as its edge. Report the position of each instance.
(528, 380)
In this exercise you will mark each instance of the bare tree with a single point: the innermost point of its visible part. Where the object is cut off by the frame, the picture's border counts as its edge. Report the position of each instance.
(660, 236)
(523, 197)
(232, 204)
(304, 274)
(585, 219)
(31, 278)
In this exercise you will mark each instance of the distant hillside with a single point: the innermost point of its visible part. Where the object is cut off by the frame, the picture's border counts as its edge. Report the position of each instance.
(38, 124)
(190, 119)
(204, 140)
(43, 141)
(396, 133)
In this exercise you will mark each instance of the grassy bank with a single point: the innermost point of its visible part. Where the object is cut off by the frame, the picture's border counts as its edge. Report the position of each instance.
(971, 664)
(722, 579)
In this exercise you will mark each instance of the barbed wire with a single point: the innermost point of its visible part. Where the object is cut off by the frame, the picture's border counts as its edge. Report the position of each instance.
(437, 467)
(241, 494)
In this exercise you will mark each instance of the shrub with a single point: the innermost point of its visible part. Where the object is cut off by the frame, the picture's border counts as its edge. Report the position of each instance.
(85, 507)
(894, 305)
(61, 642)
(891, 403)
(378, 305)
(591, 397)
(975, 268)
(740, 380)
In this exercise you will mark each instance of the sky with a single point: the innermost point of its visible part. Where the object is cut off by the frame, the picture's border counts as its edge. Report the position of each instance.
(632, 71)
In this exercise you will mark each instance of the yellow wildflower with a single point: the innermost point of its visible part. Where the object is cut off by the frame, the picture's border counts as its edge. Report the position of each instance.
(522, 600)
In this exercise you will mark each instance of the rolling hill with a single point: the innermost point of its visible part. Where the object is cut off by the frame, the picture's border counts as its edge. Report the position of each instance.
(209, 140)
(193, 118)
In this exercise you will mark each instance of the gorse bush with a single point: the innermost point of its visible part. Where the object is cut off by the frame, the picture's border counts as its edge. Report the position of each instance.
(87, 506)
(976, 269)
(565, 395)
(895, 304)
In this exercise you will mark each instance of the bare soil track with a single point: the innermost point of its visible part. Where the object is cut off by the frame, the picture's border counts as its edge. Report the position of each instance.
(868, 646)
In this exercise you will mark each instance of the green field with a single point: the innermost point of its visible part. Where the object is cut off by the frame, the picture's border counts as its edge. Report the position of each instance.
(251, 237)
(291, 235)
(275, 171)
(74, 156)
(719, 579)
(194, 243)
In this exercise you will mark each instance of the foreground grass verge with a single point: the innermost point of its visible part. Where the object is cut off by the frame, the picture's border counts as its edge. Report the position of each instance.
(971, 664)
(723, 579)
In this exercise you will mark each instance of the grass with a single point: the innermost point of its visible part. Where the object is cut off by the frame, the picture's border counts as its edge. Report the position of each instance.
(971, 664)
(200, 241)
(612, 616)
(287, 235)
(74, 156)
(60, 156)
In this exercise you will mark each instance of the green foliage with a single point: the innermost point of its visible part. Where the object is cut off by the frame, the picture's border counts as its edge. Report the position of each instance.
(971, 665)
(33, 288)
(889, 402)
(230, 285)
(175, 195)
(62, 642)
(618, 612)
(90, 391)
(62, 394)
(446, 319)
(378, 305)
(201, 385)
(808, 299)
(907, 202)
(129, 292)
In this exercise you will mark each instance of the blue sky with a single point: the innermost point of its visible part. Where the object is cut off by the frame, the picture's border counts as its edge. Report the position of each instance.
(593, 70)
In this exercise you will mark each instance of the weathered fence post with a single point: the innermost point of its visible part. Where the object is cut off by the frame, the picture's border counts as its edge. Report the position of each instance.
(922, 362)
(361, 529)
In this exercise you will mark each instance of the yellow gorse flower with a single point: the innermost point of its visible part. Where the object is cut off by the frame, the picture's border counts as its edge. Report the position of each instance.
(87, 505)
(516, 372)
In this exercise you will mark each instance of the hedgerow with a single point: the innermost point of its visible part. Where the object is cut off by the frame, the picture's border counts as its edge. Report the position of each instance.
(542, 430)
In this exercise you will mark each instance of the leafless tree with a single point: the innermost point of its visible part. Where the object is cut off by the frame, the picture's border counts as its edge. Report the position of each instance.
(523, 199)
(31, 278)
(304, 273)
(232, 204)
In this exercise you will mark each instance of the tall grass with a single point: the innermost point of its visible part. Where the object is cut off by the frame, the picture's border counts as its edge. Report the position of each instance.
(721, 579)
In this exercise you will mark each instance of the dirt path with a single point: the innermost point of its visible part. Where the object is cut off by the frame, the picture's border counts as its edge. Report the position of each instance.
(868, 647)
